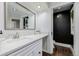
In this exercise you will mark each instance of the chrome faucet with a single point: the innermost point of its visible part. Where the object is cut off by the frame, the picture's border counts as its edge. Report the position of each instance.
(38, 31)
(16, 35)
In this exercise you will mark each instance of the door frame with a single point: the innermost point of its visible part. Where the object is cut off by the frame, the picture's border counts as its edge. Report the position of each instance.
(62, 44)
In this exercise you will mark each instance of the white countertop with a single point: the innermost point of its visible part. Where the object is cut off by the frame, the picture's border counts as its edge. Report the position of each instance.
(11, 45)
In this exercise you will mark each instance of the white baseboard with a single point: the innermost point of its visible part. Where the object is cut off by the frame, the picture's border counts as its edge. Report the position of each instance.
(47, 51)
(64, 45)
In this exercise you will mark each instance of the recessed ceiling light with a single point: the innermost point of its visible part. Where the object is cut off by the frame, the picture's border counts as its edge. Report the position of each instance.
(38, 6)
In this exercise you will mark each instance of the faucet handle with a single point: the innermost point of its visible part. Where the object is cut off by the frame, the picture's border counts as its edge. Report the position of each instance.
(1, 32)
(16, 35)
(38, 31)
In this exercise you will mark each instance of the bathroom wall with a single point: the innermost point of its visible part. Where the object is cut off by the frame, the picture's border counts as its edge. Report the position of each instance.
(43, 23)
(1, 16)
(76, 24)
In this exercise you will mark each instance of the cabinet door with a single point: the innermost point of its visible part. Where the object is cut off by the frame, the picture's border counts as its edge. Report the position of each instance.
(34, 50)
(37, 52)
(38, 49)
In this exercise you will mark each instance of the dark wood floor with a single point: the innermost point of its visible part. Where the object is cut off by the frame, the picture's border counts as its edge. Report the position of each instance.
(59, 51)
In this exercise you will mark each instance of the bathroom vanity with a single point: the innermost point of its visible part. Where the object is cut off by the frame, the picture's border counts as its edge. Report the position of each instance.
(19, 17)
(30, 45)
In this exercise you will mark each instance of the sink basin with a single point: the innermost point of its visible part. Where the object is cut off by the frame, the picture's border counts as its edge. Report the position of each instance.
(17, 40)
(8, 40)
(22, 38)
(27, 37)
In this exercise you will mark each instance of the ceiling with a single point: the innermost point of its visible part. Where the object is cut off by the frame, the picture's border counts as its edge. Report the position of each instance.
(55, 4)
(33, 6)
(63, 8)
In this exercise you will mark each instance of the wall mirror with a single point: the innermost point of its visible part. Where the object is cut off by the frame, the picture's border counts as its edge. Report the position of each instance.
(18, 17)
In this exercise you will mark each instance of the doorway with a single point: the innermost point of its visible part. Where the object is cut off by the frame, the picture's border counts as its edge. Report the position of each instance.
(62, 25)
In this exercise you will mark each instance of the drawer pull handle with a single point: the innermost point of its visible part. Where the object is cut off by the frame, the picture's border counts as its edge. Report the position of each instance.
(39, 52)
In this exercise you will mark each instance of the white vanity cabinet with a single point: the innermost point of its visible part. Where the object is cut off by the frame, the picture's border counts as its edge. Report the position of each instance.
(25, 46)
(32, 49)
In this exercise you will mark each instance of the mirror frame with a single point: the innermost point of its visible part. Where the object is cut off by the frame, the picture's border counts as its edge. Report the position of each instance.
(22, 7)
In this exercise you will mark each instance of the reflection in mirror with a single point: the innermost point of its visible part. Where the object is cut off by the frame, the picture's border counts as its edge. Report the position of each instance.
(18, 17)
